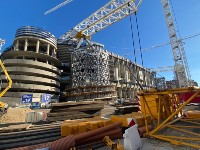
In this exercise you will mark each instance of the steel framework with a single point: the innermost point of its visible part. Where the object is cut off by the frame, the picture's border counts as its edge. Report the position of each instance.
(110, 13)
(181, 65)
(171, 123)
(162, 69)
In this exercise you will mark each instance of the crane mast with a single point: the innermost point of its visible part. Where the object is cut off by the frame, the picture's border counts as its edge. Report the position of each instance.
(182, 73)
(110, 13)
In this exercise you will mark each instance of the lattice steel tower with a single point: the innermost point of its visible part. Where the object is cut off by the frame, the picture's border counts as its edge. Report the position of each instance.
(182, 72)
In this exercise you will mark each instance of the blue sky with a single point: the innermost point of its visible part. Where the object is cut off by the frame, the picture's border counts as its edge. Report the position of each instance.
(116, 38)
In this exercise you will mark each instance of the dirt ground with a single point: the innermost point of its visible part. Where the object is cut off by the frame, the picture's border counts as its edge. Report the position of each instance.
(15, 115)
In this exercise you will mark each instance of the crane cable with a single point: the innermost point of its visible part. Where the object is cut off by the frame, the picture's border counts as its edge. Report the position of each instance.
(136, 20)
(139, 41)
(134, 50)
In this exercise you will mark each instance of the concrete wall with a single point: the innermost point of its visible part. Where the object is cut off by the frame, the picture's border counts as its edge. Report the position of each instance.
(126, 75)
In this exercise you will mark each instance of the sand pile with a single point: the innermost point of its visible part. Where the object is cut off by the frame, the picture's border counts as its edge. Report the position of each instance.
(14, 115)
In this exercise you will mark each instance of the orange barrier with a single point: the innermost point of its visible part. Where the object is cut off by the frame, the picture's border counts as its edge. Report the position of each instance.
(71, 127)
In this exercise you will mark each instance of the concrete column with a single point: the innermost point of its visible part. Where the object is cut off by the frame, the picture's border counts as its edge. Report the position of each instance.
(126, 76)
(16, 46)
(54, 52)
(131, 94)
(128, 93)
(143, 75)
(119, 68)
(124, 92)
(48, 47)
(26, 45)
(119, 92)
(37, 46)
(147, 78)
(116, 74)
(123, 69)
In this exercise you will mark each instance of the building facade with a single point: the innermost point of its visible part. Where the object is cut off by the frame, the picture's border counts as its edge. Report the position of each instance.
(95, 68)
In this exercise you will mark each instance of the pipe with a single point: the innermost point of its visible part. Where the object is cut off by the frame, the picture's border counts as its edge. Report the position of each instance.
(113, 134)
(69, 141)
(143, 129)
(61, 144)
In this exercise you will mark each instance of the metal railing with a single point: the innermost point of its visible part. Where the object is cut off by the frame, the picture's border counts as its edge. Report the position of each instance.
(37, 32)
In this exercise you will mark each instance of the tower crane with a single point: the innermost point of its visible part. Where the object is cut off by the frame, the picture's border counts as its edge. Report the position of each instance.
(182, 72)
(116, 10)
(110, 13)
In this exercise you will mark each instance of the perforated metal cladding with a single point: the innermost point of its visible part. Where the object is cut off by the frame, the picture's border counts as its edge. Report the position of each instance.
(90, 67)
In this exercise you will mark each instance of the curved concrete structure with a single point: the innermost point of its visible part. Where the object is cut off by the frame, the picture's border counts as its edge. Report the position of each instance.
(31, 63)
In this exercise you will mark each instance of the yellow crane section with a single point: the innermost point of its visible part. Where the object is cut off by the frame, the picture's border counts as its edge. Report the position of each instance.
(8, 78)
(3, 105)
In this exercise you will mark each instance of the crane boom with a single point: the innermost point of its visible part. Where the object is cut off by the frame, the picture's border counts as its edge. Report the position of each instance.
(181, 66)
(58, 6)
(110, 13)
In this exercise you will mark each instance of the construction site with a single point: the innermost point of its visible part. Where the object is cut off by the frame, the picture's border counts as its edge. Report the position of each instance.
(70, 93)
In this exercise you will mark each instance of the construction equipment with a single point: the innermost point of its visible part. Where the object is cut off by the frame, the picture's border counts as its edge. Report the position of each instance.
(112, 145)
(110, 13)
(58, 6)
(166, 109)
(181, 66)
(3, 105)
(116, 10)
